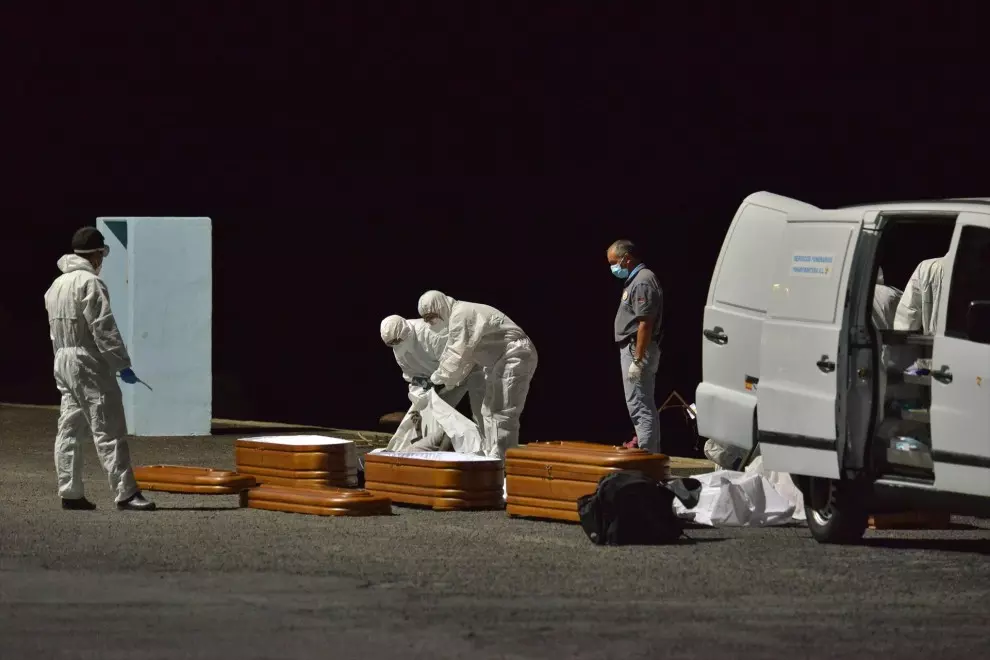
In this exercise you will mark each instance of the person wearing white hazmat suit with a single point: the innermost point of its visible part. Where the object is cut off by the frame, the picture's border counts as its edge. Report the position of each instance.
(417, 351)
(89, 352)
(918, 307)
(482, 336)
(885, 301)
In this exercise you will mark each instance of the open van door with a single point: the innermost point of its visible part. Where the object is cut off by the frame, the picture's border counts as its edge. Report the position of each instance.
(802, 353)
(960, 407)
(737, 305)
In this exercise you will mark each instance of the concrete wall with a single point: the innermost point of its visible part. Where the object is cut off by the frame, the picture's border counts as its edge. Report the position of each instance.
(160, 276)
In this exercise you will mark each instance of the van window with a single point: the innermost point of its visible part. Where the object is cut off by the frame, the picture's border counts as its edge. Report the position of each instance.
(746, 275)
(970, 280)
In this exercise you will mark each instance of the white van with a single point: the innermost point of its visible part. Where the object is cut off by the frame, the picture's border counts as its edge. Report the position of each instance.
(791, 361)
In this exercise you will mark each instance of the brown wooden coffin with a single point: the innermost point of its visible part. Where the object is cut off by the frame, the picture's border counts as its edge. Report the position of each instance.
(911, 520)
(445, 481)
(319, 501)
(192, 480)
(546, 479)
(283, 477)
(298, 460)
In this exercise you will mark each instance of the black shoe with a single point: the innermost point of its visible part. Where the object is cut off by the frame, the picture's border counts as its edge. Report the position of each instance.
(136, 503)
(77, 504)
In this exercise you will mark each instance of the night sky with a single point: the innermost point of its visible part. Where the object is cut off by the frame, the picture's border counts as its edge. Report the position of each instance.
(351, 160)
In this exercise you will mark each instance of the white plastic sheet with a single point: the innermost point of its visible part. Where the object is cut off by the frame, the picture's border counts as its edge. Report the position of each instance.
(784, 485)
(432, 424)
(754, 498)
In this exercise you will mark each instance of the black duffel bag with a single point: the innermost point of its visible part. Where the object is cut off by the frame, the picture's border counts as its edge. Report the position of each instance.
(633, 508)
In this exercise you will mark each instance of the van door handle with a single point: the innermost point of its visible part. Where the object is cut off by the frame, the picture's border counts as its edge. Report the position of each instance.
(826, 365)
(943, 375)
(716, 335)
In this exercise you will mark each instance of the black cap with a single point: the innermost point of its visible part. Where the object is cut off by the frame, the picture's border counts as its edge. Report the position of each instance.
(88, 240)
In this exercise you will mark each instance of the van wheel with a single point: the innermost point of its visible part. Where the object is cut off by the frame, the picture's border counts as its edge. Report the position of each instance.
(836, 511)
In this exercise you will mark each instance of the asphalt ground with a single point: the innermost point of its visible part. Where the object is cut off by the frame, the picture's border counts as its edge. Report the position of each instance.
(202, 578)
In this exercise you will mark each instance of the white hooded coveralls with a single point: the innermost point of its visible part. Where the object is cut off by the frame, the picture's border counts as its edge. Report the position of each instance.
(918, 308)
(418, 355)
(885, 302)
(89, 351)
(482, 335)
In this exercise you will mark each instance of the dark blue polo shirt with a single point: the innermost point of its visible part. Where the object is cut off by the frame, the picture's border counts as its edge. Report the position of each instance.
(642, 297)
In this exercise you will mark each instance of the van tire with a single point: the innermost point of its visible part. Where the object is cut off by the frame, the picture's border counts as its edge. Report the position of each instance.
(836, 511)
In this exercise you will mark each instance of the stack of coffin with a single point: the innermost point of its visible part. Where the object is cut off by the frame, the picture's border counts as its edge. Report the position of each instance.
(545, 479)
(443, 480)
(303, 461)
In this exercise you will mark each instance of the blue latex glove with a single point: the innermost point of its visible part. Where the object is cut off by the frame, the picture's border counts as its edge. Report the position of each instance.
(127, 375)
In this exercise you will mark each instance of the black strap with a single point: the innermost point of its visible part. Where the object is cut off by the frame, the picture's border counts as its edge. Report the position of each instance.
(657, 339)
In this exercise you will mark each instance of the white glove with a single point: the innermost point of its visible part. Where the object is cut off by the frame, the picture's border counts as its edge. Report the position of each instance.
(416, 393)
(635, 371)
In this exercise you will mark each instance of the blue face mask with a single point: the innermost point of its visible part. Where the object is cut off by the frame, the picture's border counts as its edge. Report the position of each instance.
(620, 272)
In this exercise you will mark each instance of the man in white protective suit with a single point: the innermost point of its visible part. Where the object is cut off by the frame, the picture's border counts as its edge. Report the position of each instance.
(480, 335)
(885, 301)
(918, 308)
(417, 351)
(89, 352)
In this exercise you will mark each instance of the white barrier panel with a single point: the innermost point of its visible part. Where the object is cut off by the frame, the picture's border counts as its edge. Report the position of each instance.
(160, 276)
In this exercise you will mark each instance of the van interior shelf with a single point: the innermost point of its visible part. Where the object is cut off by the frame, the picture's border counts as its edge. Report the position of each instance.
(895, 376)
(904, 338)
(916, 415)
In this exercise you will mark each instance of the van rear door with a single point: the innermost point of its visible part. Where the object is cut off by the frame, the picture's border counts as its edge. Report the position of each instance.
(737, 305)
(801, 360)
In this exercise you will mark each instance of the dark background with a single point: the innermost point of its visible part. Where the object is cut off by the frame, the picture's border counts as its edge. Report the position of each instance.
(353, 158)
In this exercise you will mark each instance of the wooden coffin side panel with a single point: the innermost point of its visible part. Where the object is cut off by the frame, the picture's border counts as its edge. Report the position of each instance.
(483, 496)
(291, 482)
(430, 476)
(911, 520)
(538, 509)
(299, 474)
(565, 490)
(435, 460)
(191, 480)
(553, 471)
(572, 445)
(318, 501)
(439, 499)
(536, 502)
(289, 460)
(339, 448)
(659, 470)
(586, 453)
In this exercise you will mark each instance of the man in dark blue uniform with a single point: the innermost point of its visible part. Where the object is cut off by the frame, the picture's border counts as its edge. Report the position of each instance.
(638, 329)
